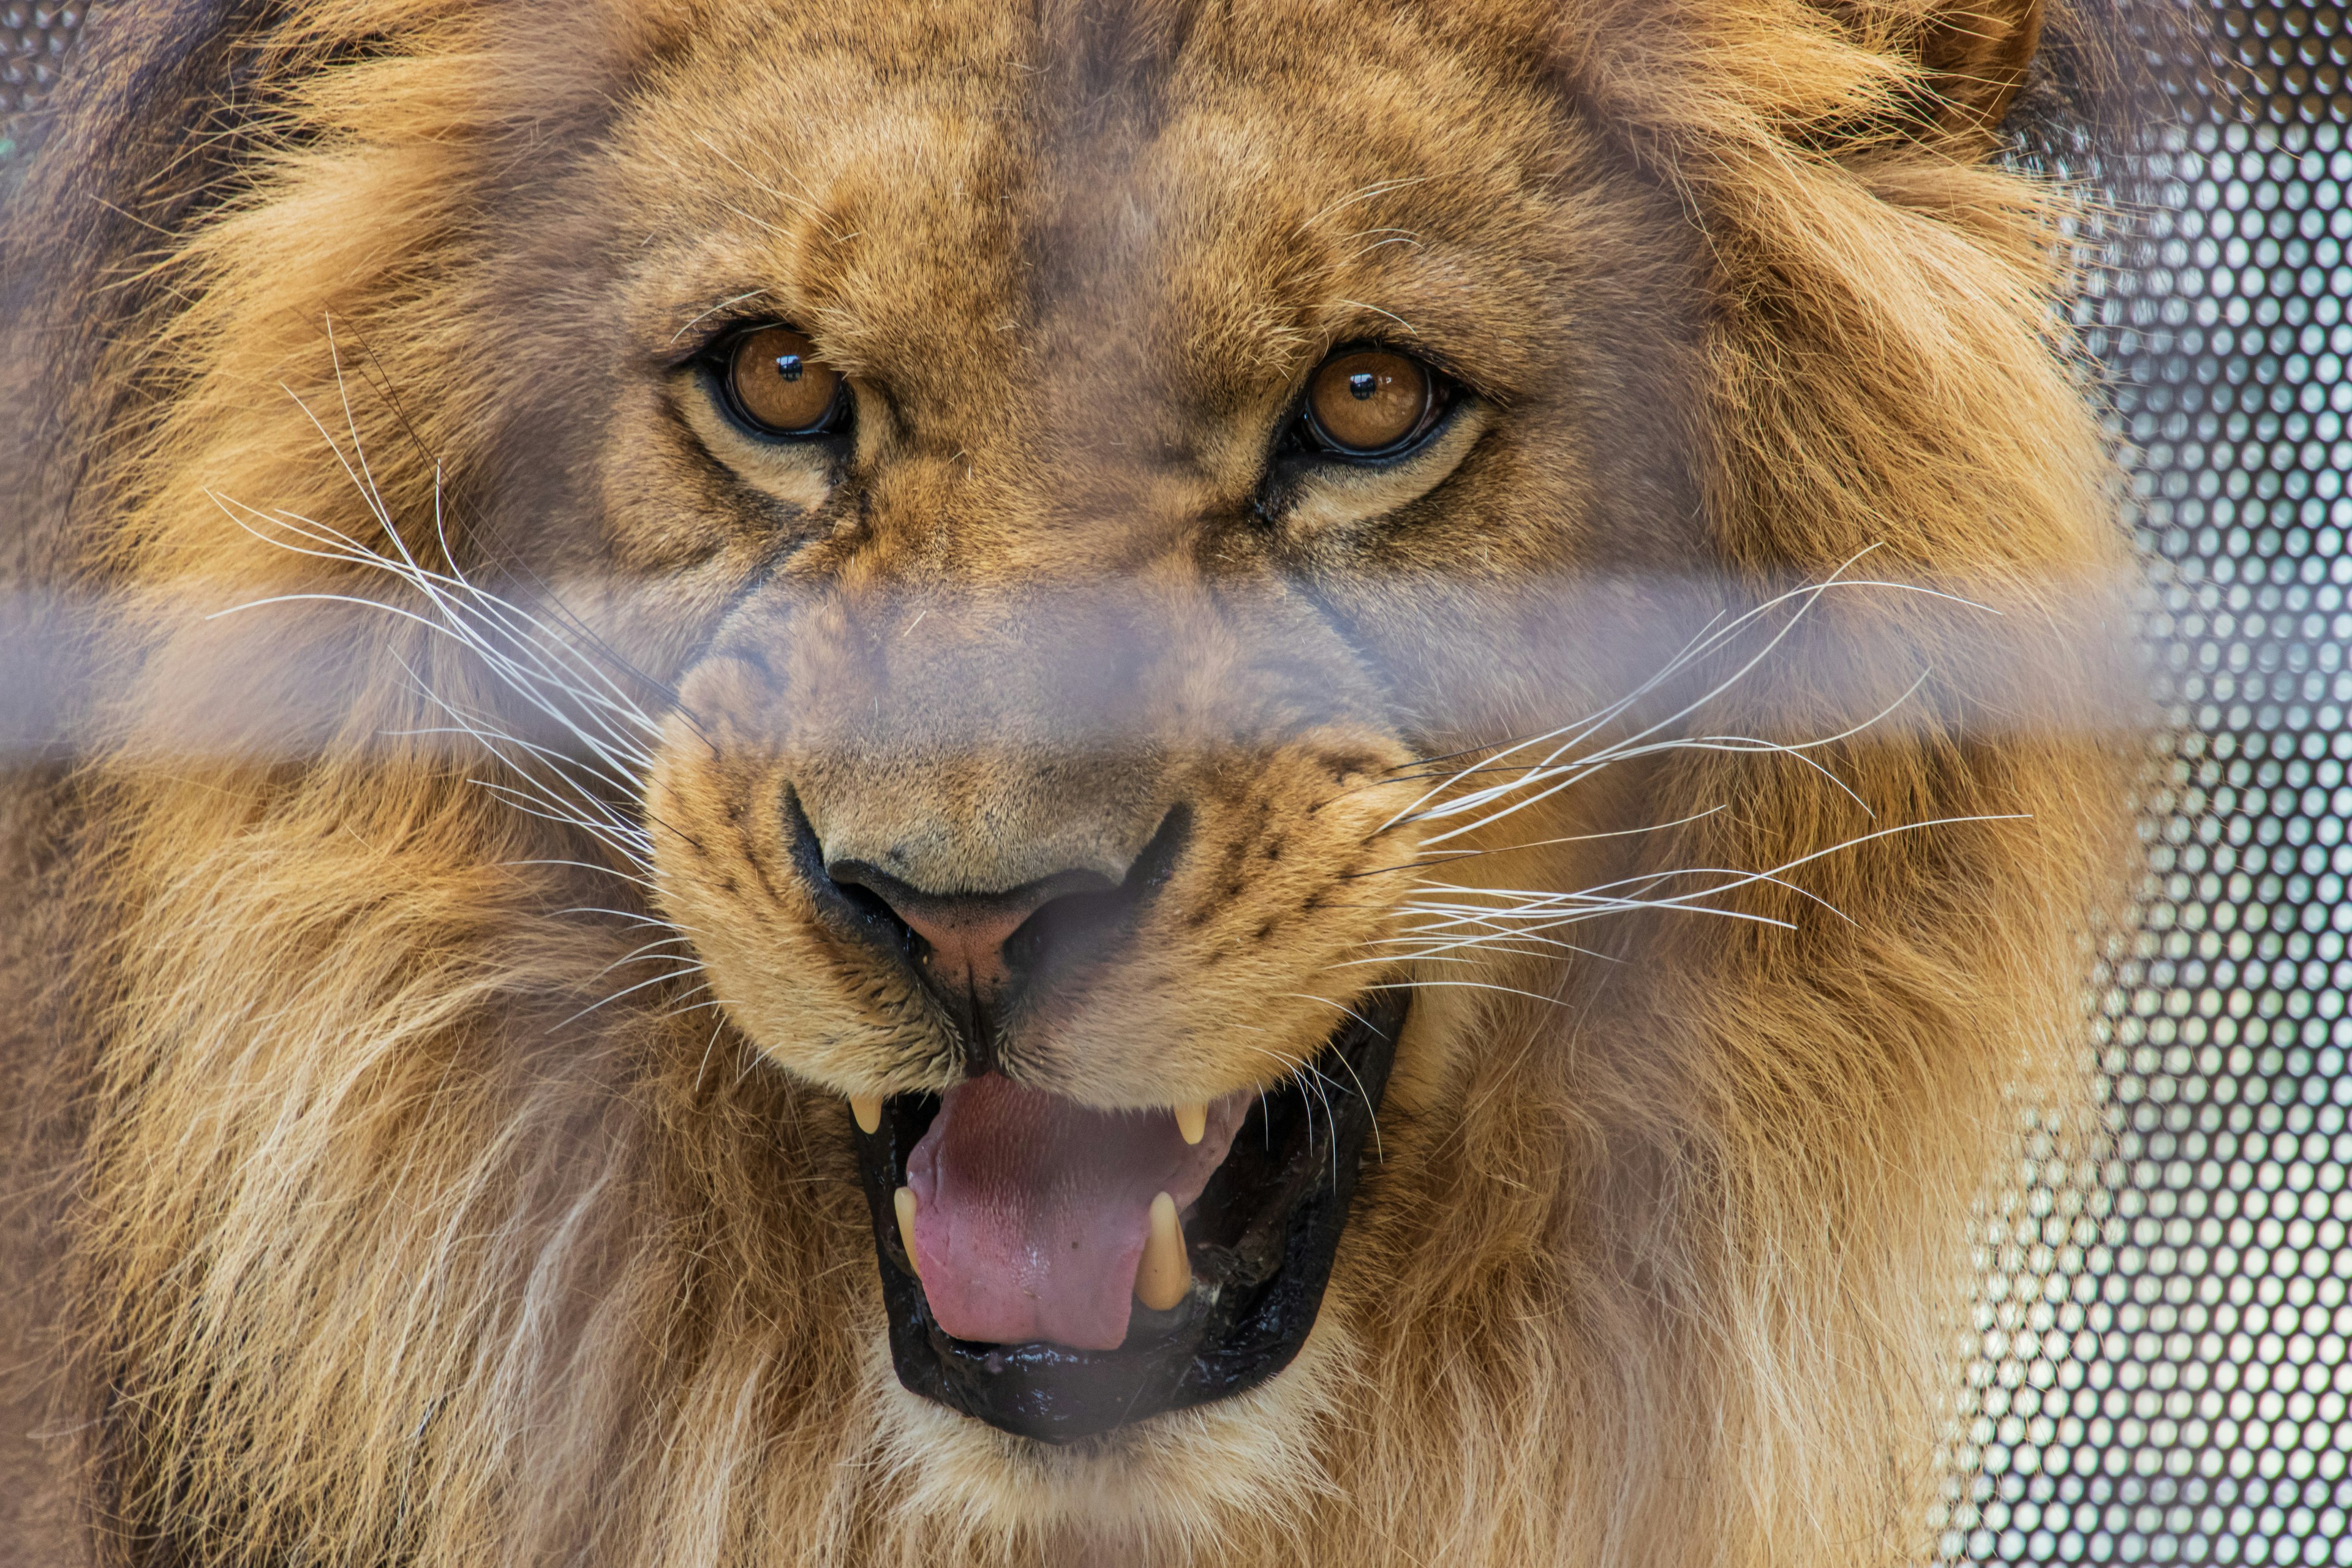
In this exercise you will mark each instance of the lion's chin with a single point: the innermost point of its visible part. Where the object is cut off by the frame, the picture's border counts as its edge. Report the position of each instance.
(1259, 1240)
(1187, 1476)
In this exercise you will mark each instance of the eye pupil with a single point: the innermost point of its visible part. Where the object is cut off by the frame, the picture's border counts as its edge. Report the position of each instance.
(1363, 385)
(789, 366)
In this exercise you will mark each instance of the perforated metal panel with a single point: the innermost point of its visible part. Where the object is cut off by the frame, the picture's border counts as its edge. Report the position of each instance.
(34, 42)
(2162, 1373)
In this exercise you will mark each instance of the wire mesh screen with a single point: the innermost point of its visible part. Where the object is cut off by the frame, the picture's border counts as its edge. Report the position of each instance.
(2162, 1374)
(33, 39)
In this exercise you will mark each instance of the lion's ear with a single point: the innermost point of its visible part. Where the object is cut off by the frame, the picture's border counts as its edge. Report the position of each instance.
(1976, 55)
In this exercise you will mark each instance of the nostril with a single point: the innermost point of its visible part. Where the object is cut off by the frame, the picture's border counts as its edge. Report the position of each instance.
(876, 910)
(1066, 932)
(960, 937)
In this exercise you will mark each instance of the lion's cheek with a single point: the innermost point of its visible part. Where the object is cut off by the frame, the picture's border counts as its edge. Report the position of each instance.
(720, 877)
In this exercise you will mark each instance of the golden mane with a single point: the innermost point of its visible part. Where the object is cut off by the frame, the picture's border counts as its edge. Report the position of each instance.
(379, 1244)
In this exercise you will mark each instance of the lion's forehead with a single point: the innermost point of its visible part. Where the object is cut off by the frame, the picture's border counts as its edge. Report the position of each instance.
(949, 220)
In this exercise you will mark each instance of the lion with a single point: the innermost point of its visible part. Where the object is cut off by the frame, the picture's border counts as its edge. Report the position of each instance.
(996, 784)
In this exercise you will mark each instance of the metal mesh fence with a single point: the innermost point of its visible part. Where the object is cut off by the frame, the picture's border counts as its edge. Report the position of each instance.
(33, 39)
(2161, 1375)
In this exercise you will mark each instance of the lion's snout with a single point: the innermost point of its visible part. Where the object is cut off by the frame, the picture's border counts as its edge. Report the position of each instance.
(1099, 838)
(984, 953)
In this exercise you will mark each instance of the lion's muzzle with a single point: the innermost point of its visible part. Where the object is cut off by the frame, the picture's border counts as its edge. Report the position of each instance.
(1055, 1269)
(1064, 891)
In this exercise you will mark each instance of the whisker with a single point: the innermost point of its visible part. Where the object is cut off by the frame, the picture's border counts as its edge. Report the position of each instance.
(635, 953)
(693, 967)
(1451, 856)
(1557, 768)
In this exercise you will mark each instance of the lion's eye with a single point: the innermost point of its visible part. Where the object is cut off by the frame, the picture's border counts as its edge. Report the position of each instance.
(778, 388)
(1370, 403)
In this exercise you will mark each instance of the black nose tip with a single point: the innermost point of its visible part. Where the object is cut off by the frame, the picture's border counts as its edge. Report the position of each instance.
(984, 956)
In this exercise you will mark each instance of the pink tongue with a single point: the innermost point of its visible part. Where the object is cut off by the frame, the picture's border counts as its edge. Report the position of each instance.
(1032, 1210)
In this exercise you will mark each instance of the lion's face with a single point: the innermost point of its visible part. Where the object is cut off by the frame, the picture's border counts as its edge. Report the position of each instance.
(1086, 558)
(1040, 458)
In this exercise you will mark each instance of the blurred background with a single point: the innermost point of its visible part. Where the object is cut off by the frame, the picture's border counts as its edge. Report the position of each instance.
(2160, 1373)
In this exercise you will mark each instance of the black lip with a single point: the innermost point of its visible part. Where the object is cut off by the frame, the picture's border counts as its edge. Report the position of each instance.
(1262, 1239)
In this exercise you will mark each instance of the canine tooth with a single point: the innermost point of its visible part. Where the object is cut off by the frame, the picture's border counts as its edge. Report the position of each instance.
(903, 1200)
(1165, 1273)
(1193, 1120)
(868, 1109)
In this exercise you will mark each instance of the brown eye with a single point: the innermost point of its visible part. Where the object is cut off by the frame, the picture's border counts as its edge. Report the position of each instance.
(776, 384)
(1367, 401)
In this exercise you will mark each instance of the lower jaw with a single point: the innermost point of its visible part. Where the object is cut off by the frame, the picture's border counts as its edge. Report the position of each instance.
(1261, 1240)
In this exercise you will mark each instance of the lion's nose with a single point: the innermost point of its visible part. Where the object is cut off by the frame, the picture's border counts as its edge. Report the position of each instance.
(961, 939)
(980, 953)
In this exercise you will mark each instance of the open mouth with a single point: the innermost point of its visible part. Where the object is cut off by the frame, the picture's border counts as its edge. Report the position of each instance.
(1031, 1220)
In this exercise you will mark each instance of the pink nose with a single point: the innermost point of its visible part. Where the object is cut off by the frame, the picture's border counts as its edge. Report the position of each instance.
(965, 937)
(980, 954)
(959, 946)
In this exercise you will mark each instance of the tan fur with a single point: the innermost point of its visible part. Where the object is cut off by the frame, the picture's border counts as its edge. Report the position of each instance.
(379, 1250)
